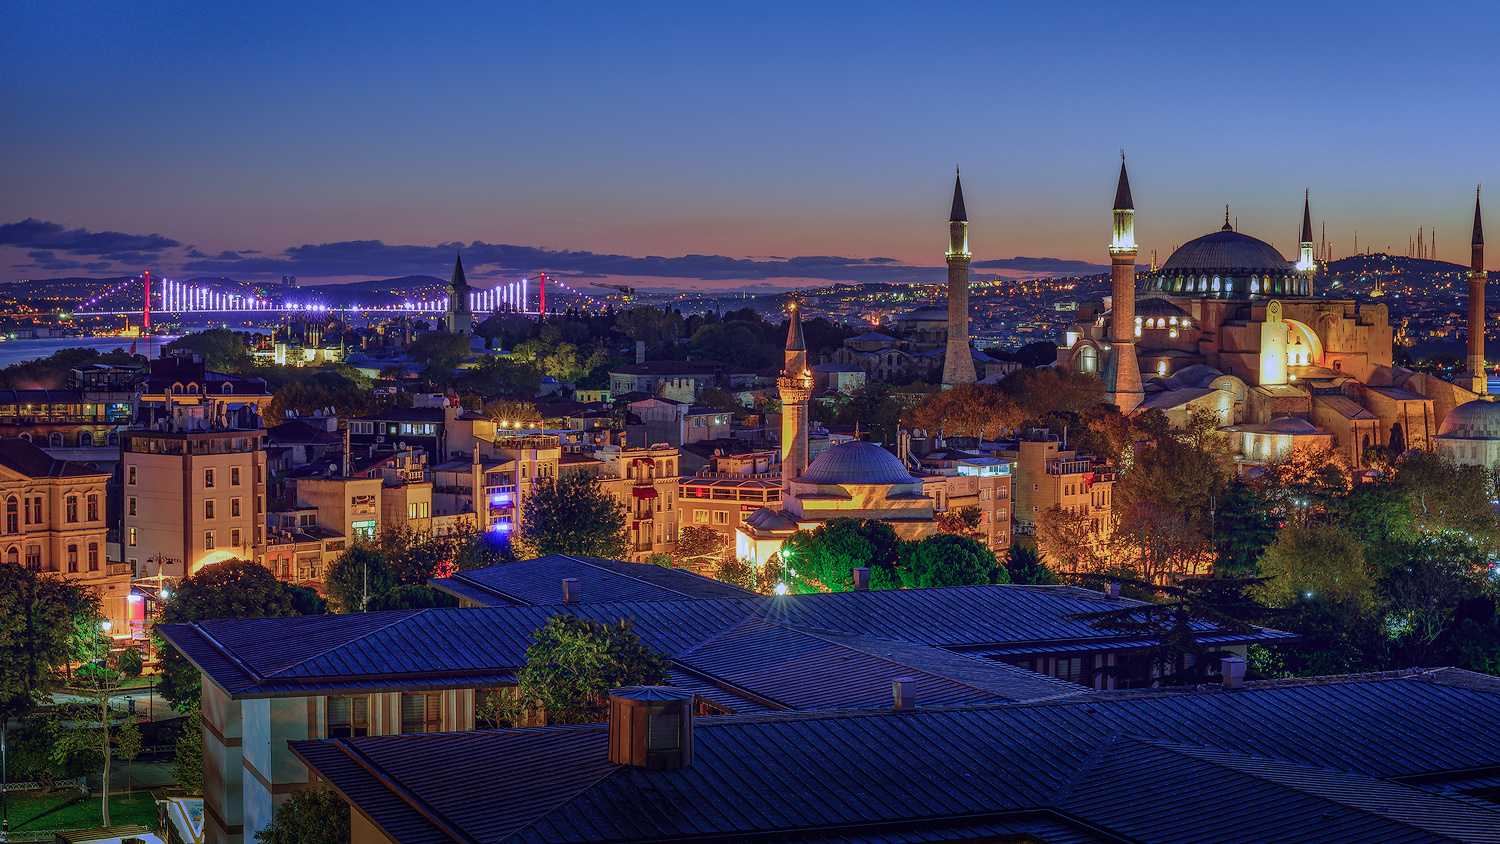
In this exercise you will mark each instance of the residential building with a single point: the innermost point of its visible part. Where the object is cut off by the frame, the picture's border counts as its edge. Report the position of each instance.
(270, 681)
(681, 380)
(660, 420)
(195, 488)
(645, 481)
(181, 379)
(732, 487)
(55, 522)
(1049, 475)
(1289, 761)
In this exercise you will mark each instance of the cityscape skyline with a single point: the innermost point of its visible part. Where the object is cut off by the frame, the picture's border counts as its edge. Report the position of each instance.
(298, 142)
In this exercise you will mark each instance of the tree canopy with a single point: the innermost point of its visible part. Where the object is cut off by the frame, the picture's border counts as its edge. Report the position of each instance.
(572, 514)
(571, 665)
(822, 559)
(39, 614)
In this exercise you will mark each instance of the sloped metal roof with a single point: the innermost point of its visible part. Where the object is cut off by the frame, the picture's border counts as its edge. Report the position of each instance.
(539, 581)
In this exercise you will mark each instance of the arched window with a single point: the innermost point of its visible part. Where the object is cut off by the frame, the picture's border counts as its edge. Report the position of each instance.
(93, 556)
(26, 437)
(227, 388)
(85, 440)
(114, 439)
(192, 389)
(13, 556)
(55, 440)
(1161, 368)
(1216, 284)
(177, 389)
(12, 515)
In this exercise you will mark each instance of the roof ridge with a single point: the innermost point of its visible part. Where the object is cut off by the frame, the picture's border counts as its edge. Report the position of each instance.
(406, 795)
(1108, 743)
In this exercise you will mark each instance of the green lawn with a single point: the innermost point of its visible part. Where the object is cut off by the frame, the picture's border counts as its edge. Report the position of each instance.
(71, 810)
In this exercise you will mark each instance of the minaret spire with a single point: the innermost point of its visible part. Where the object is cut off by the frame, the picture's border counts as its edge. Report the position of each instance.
(460, 317)
(1122, 374)
(958, 363)
(1475, 377)
(795, 387)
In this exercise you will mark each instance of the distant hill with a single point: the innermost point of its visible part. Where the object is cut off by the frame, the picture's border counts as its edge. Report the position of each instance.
(1388, 264)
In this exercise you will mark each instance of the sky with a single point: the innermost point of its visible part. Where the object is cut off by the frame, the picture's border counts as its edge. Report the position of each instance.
(705, 145)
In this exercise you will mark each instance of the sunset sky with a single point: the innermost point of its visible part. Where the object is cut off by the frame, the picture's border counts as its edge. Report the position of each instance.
(257, 140)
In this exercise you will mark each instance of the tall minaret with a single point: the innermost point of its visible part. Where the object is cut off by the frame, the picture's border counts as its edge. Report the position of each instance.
(795, 386)
(1123, 374)
(1306, 263)
(1475, 377)
(460, 318)
(958, 364)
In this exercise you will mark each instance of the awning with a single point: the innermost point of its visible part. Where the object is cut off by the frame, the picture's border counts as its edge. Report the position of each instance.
(643, 491)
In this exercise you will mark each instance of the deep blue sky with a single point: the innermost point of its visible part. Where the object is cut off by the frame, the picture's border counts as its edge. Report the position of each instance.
(738, 130)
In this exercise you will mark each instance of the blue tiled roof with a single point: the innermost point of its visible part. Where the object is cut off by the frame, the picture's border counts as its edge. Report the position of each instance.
(539, 581)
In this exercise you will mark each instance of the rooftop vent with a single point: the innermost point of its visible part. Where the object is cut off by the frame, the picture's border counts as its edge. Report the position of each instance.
(1233, 669)
(904, 692)
(861, 579)
(570, 590)
(651, 727)
(1113, 591)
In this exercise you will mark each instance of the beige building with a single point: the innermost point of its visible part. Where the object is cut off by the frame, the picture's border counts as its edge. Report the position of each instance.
(195, 488)
(349, 507)
(728, 490)
(54, 522)
(1048, 475)
(646, 483)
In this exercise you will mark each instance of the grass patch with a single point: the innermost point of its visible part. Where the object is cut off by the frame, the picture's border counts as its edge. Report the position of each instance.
(71, 810)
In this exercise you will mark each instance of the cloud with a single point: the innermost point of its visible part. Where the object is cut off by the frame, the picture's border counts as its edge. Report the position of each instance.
(32, 233)
(1054, 266)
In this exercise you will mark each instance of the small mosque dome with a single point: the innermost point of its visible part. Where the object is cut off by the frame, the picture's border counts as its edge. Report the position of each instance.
(1227, 252)
(1290, 425)
(1475, 420)
(856, 463)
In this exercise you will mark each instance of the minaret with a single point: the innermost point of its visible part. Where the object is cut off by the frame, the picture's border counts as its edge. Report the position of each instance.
(1305, 262)
(795, 386)
(1475, 378)
(958, 364)
(1123, 373)
(460, 318)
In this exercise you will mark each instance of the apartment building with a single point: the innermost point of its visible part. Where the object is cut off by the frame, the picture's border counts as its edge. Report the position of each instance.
(55, 522)
(730, 488)
(1049, 475)
(194, 489)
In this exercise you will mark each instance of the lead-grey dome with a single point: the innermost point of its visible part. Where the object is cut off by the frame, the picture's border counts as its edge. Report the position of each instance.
(1475, 420)
(1227, 252)
(856, 463)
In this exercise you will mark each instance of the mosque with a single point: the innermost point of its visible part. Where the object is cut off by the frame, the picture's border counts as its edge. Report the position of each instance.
(1229, 325)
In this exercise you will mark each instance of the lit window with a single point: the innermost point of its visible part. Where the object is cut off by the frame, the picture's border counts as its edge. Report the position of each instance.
(93, 508)
(208, 540)
(71, 508)
(208, 478)
(132, 536)
(130, 473)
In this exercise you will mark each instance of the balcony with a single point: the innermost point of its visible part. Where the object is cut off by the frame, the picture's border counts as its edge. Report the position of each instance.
(119, 570)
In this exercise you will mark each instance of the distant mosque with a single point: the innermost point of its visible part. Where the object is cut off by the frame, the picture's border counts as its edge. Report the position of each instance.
(1229, 325)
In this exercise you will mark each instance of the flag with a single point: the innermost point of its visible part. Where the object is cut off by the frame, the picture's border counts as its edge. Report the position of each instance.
(132, 346)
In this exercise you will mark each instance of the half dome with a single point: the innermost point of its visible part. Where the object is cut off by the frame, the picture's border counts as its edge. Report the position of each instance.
(856, 463)
(1475, 420)
(1227, 252)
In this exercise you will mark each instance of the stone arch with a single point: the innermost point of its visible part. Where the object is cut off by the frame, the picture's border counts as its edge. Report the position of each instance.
(1300, 330)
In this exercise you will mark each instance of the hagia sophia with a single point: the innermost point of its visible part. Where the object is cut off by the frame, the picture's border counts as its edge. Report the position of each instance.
(1226, 323)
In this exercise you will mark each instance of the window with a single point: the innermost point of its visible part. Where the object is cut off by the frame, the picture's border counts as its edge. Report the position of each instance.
(721, 517)
(234, 476)
(422, 712)
(234, 507)
(700, 516)
(208, 540)
(72, 509)
(130, 475)
(208, 509)
(12, 516)
(35, 516)
(130, 505)
(234, 537)
(208, 479)
(132, 536)
(13, 556)
(93, 556)
(72, 558)
(34, 557)
(85, 440)
(93, 508)
(55, 441)
(348, 717)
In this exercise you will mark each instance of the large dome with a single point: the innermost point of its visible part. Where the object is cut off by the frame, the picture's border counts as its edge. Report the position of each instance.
(856, 463)
(1475, 420)
(1226, 252)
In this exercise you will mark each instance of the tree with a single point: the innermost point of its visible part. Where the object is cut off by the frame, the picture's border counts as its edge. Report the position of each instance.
(409, 597)
(763, 578)
(964, 521)
(946, 559)
(1398, 440)
(187, 763)
(315, 815)
(572, 514)
(38, 616)
(697, 544)
(571, 665)
(1243, 527)
(1070, 540)
(222, 350)
(439, 350)
(1317, 561)
(82, 732)
(128, 745)
(1024, 566)
(359, 572)
(821, 560)
(972, 410)
(1161, 543)
(231, 589)
(470, 548)
(1447, 496)
(1038, 392)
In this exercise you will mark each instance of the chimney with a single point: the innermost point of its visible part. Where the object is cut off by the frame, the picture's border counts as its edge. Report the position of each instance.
(651, 727)
(1113, 592)
(1233, 669)
(904, 693)
(640, 351)
(570, 590)
(861, 579)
